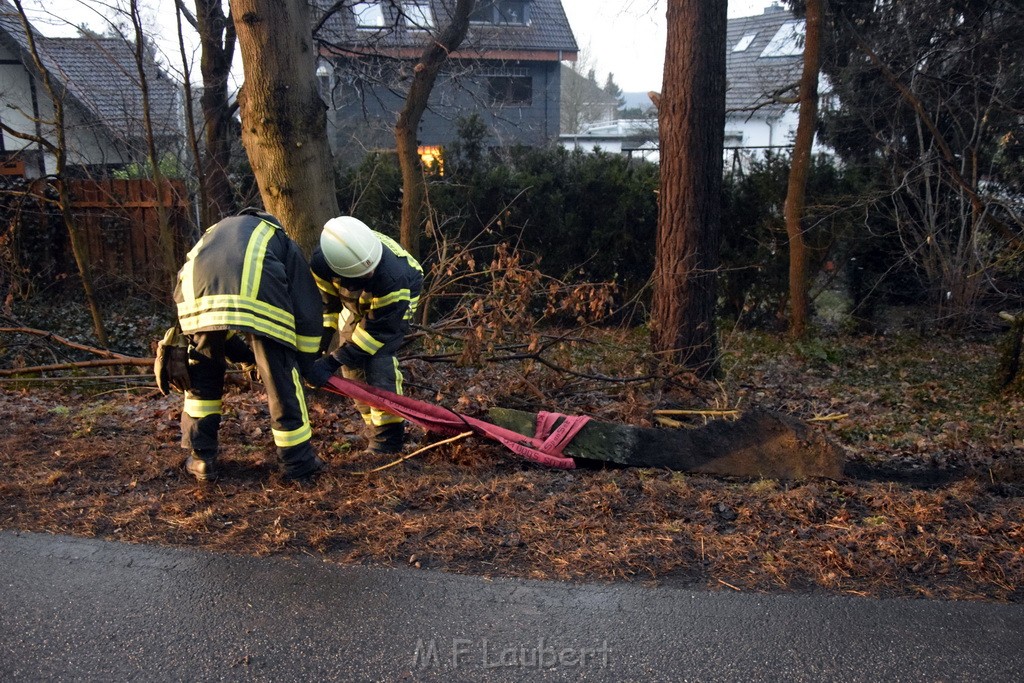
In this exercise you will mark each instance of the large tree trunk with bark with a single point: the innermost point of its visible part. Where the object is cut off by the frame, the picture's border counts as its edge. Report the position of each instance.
(424, 75)
(759, 444)
(799, 170)
(691, 119)
(284, 121)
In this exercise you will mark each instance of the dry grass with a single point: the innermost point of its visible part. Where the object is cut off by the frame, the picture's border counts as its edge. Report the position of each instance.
(108, 466)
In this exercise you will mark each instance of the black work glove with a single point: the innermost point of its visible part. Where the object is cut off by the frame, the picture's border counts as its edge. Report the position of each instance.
(171, 366)
(322, 370)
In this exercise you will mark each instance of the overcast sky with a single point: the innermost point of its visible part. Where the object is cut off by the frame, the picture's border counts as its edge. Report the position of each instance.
(627, 37)
(623, 37)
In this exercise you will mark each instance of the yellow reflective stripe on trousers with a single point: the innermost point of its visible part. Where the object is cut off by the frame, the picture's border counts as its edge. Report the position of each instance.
(379, 417)
(199, 408)
(391, 298)
(331, 320)
(255, 252)
(303, 433)
(363, 339)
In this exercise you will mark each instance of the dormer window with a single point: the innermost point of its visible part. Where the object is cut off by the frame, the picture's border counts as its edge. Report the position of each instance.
(417, 15)
(515, 12)
(788, 41)
(369, 15)
(745, 42)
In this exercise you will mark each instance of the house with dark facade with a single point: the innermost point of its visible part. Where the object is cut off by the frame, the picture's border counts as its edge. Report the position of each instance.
(97, 82)
(507, 71)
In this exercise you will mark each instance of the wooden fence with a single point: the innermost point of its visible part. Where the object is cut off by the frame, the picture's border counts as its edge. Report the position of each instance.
(120, 224)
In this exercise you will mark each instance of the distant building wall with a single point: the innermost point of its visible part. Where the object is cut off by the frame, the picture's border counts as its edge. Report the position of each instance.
(362, 115)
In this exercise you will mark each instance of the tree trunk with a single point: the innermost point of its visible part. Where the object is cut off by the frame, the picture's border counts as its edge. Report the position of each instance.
(800, 168)
(691, 118)
(78, 246)
(217, 40)
(759, 444)
(284, 122)
(424, 75)
(165, 234)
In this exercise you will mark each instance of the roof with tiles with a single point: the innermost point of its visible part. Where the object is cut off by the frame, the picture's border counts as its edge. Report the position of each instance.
(100, 75)
(545, 33)
(760, 59)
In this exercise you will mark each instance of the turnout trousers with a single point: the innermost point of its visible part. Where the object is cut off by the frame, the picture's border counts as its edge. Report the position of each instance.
(279, 372)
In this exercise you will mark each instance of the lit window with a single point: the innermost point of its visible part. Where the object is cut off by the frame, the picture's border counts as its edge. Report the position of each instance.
(417, 15)
(745, 42)
(369, 14)
(431, 159)
(510, 90)
(788, 41)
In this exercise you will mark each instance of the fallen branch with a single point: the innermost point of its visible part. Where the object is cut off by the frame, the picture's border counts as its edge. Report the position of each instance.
(103, 363)
(50, 336)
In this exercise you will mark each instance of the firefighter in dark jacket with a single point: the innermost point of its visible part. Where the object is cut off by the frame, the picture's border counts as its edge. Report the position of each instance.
(246, 276)
(370, 288)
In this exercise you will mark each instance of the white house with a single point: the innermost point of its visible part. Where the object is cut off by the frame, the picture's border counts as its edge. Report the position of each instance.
(763, 64)
(98, 83)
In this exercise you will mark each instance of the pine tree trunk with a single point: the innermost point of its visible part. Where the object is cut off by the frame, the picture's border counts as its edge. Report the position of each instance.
(284, 121)
(691, 118)
(799, 170)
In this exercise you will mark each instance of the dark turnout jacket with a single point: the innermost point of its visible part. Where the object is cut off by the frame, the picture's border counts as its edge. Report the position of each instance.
(246, 274)
(380, 307)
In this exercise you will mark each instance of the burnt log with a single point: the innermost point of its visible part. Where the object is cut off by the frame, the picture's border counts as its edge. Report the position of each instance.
(760, 444)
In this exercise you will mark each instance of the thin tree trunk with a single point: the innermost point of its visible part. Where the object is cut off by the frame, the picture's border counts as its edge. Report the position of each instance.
(284, 121)
(691, 113)
(796, 191)
(217, 41)
(424, 75)
(190, 119)
(78, 246)
(166, 236)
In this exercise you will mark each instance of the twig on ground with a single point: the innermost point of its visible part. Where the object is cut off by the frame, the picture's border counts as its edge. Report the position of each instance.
(704, 413)
(463, 435)
(828, 418)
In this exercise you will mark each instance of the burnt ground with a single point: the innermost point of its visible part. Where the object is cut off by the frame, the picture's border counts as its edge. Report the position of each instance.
(933, 506)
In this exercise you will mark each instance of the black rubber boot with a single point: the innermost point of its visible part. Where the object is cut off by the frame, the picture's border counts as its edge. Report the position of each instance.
(200, 466)
(388, 438)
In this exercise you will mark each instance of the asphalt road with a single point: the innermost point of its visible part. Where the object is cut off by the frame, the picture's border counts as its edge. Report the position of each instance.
(86, 610)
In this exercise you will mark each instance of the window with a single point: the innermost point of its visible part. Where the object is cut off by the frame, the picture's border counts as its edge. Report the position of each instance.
(417, 15)
(432, 159)
(745, 42)
(788, 41)
(501, 12)
(369, 14)
(510, 90)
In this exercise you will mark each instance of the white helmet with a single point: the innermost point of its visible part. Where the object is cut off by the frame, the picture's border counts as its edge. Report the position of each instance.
(350, 247)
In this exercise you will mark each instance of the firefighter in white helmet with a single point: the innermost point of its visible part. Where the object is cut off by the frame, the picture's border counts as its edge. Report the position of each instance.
(370, 288)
